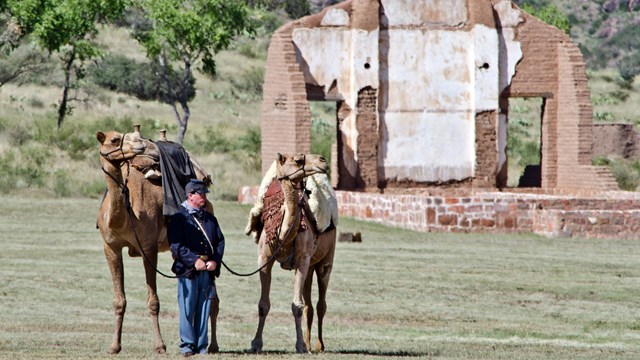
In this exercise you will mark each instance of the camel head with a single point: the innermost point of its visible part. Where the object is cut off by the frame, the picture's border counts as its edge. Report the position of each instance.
(115, 146)
(297, 167)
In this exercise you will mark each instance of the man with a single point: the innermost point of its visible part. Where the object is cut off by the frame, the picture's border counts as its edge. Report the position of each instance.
(197, 245)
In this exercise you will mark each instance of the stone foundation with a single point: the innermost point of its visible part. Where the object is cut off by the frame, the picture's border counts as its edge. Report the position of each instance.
(609, 215)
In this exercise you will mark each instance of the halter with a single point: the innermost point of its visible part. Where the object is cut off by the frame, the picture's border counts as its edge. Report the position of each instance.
(106, 155)
(288, 176)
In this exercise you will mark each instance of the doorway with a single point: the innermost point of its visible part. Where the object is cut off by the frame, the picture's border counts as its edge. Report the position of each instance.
(524, 142)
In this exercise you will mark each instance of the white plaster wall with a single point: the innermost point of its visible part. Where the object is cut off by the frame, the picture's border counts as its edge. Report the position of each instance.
(340, 54)
(418, 13)
(428, 122)
(439, 76)
(428, 146)
(487, 69)
(510, 54)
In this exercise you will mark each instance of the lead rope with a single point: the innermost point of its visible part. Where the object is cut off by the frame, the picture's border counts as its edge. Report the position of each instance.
(127, 204)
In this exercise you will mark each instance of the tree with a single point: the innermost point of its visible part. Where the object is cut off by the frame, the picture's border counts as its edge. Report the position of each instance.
(189, 33)
(17, 58)
(65, 27)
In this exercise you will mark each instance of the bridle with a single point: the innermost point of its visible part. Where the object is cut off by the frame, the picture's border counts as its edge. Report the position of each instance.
(301, 168)
(106, 155)
(127, 203)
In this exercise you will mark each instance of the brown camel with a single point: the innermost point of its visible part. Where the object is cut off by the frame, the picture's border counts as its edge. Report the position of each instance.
(299, 236)
(145, 197)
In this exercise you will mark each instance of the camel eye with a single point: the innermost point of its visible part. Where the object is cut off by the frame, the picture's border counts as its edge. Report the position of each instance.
(300, 162)
(115, 141)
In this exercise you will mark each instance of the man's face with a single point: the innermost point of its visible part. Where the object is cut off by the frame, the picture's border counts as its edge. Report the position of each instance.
(197, 200)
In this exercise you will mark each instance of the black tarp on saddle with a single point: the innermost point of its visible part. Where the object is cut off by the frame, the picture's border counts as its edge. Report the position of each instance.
(177, 170)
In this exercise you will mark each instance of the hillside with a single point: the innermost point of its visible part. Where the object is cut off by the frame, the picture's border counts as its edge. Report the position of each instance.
(224, 129)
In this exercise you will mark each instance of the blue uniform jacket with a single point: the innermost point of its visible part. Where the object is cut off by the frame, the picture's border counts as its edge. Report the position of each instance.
(187, 242)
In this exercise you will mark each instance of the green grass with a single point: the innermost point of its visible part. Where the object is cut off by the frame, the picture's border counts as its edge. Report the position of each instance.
(397, 294)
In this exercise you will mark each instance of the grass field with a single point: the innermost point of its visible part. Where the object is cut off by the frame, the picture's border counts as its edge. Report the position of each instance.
(398, 294)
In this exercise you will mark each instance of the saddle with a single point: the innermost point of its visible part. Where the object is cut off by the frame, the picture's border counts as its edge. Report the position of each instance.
(272, 218)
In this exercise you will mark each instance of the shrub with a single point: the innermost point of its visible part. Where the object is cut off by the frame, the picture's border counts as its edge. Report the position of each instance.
(61, 183)
(19, 134)
(121, 74)
(323, 135)
(297, 8)
(249, 83)
(626, 174)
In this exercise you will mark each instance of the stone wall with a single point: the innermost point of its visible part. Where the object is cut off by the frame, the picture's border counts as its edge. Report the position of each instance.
(621, 140)
(608, 215)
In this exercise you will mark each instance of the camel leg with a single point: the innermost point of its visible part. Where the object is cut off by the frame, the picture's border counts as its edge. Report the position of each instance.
(114, 259)
(153, 303)
(323, 271)
(298, 305)
(264, 305)
(213, 317)
(323, 274)
(308, 308)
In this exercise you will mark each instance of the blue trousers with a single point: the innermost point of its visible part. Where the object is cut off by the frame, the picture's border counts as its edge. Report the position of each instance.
(194, 303)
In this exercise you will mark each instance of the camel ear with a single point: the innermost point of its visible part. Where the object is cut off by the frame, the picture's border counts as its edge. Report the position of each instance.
(100, 136)
(281, 158)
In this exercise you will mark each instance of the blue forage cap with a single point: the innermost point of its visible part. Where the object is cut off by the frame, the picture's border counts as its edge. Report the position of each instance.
(196, 186)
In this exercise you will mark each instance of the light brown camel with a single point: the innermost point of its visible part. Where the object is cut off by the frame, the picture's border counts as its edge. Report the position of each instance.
(299, 236)
(145, 197)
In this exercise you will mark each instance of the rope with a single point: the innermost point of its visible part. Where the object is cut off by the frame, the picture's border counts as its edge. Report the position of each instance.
(273, 255)
(127, 204)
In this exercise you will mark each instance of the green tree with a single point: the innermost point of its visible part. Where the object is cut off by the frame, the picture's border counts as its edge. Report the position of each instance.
(189, 33)
(66, 28)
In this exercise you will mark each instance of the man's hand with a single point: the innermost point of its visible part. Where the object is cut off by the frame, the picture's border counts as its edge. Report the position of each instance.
(200, 265)
(211, 265)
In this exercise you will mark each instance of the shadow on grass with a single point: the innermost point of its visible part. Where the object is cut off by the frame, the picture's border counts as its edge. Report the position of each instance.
(399, 353)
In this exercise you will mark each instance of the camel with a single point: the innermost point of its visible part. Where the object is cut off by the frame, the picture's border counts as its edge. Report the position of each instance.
(118, 154)
(300, 233)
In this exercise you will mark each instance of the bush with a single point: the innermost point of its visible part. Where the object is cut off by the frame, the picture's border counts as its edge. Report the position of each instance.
(61, 183)
(249, 83)
(121, 74)
(297, 8)
(626, 174)
(323, 135)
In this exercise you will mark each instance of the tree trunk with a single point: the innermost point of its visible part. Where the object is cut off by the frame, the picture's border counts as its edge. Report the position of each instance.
(186, 112)
(63, 107)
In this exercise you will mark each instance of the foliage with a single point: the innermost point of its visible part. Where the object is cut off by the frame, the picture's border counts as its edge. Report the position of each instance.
(121, 74)
(65, 27)
(297, 8)
(26, 167)
(629, 66)
(190, 32)
(249, 83)
(216, 140)
(549, 14)
(625, 171)
(323, 136)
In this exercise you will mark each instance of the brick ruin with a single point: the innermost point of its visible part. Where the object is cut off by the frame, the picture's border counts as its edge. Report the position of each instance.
(422, 95)
(422, 91)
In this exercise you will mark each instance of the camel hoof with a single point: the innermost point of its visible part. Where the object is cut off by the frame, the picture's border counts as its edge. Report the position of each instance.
(161, 349)
(114, 349)
(256, 347)
(213, 349)
(302, 349)
(253, 351)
